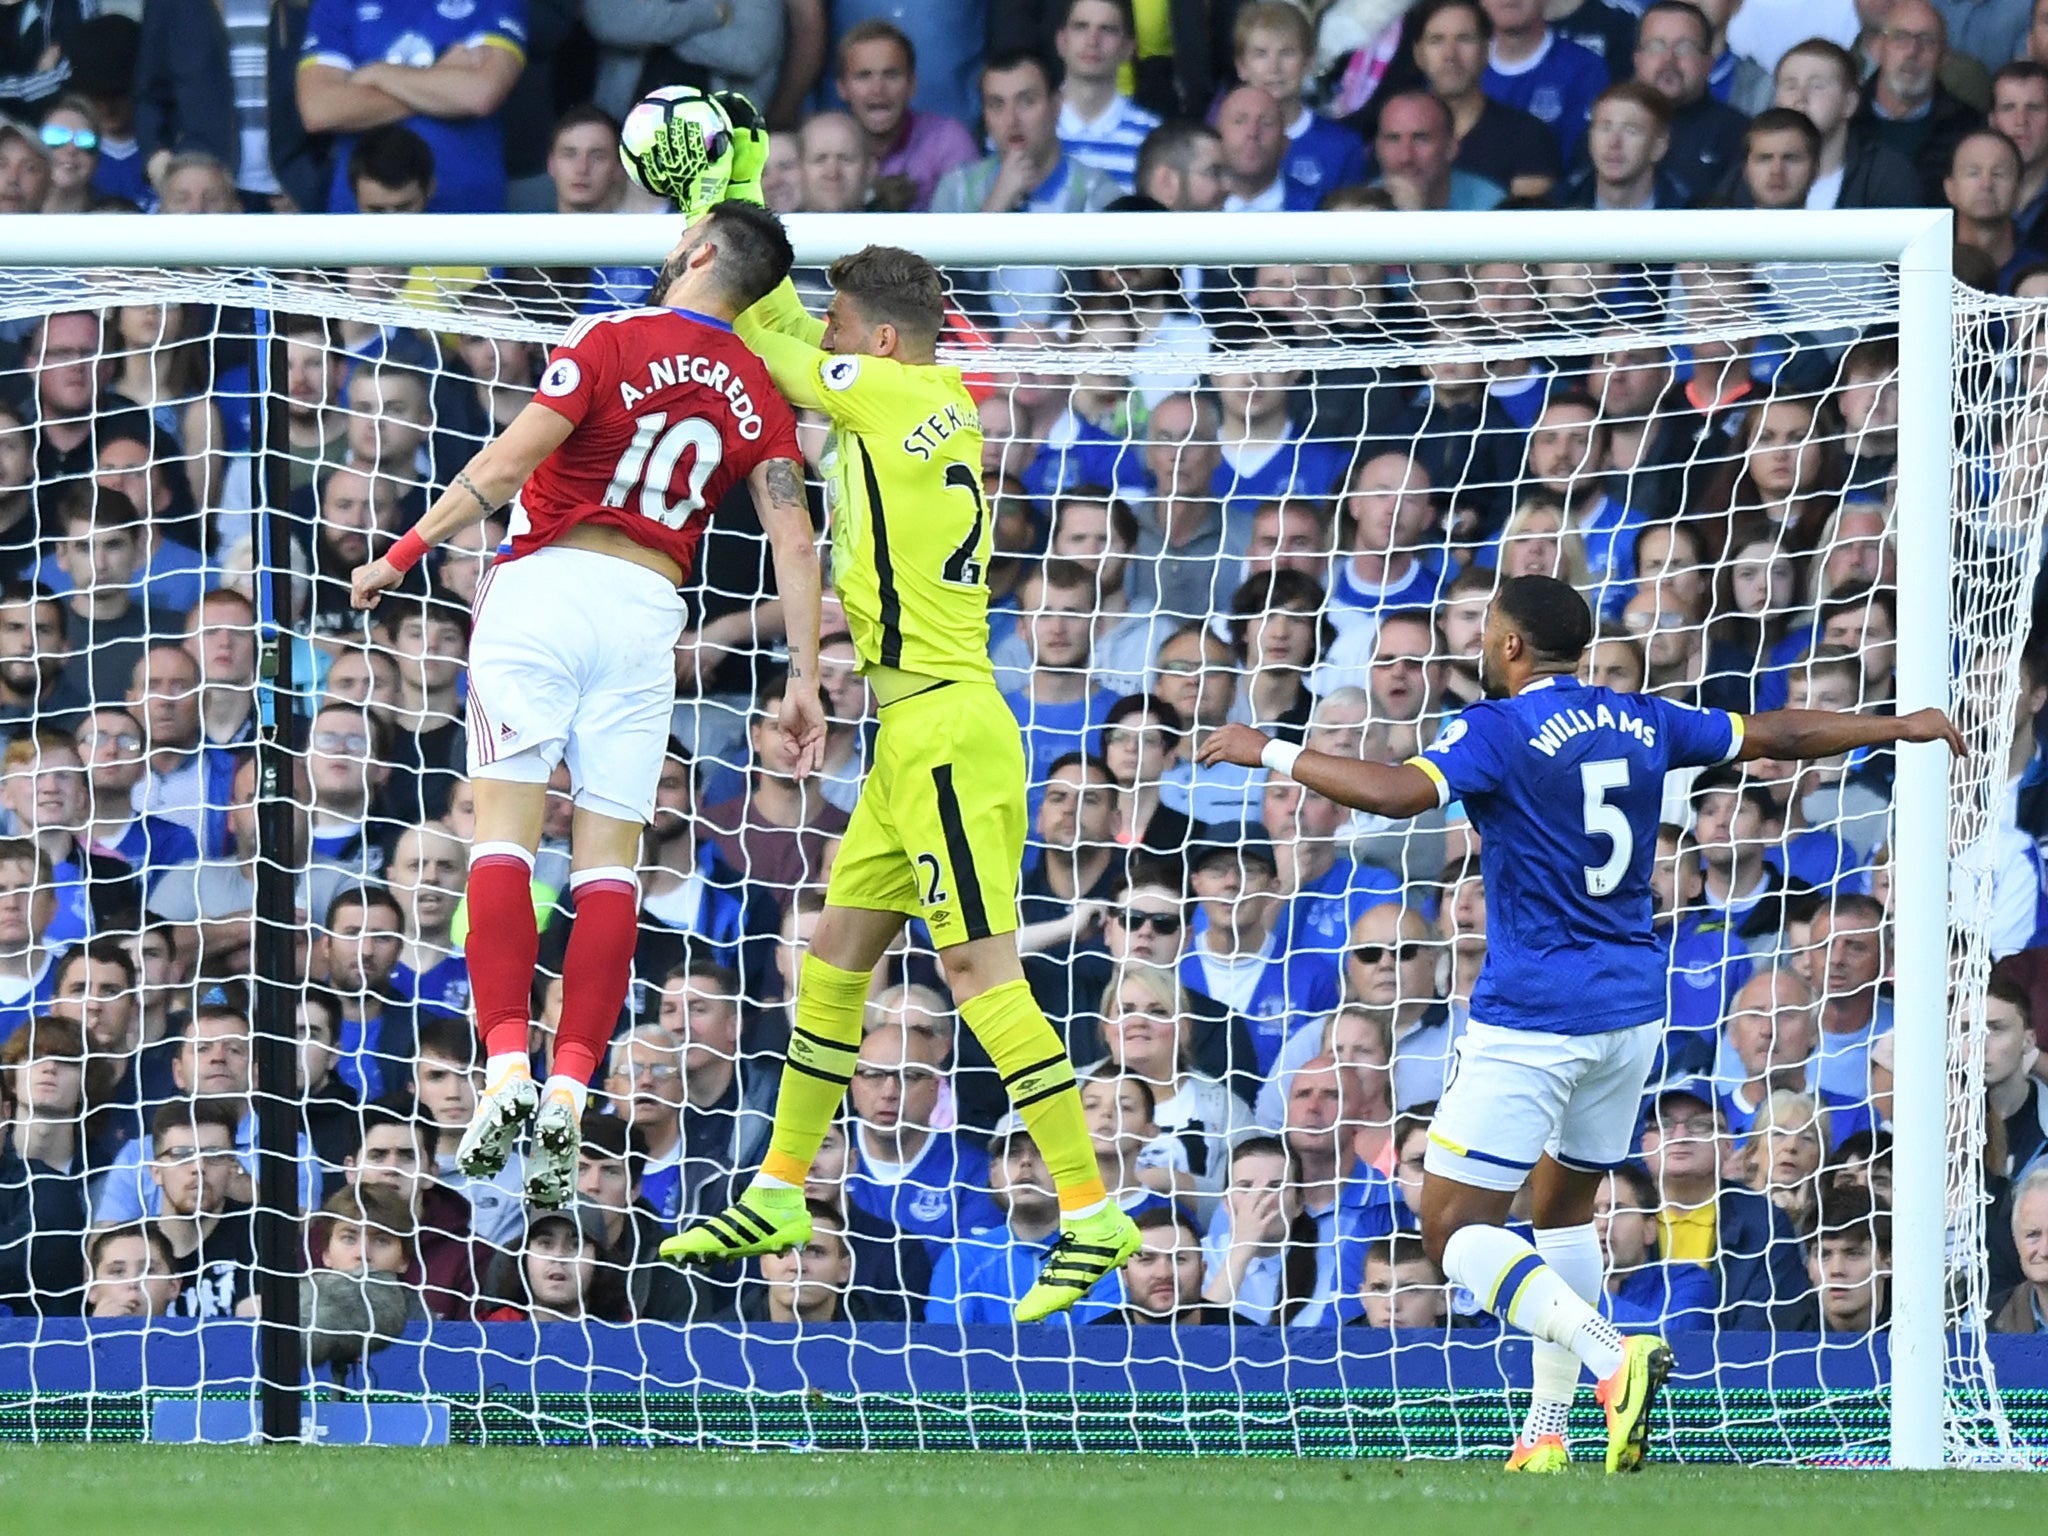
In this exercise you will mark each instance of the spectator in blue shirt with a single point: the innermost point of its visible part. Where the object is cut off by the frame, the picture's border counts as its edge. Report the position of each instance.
(363, 939)
(442, 70)
(1772, 1033)
(1531, 66)
(1242, 958)
(1640, 1290)
(1274, 45)
(1059, 707)
(1387, 561)
(1705, 962)
(1266, 456)
(28, 905)
(928, 1182)
(1849, 944)
(981, 1274)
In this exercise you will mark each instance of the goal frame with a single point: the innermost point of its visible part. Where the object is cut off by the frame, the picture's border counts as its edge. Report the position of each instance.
(1918, 241)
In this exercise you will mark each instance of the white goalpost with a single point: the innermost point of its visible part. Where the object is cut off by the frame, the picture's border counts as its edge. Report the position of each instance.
(1962, 607)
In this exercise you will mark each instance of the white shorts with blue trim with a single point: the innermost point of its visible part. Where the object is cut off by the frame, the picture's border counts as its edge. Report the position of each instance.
(1516, 1094)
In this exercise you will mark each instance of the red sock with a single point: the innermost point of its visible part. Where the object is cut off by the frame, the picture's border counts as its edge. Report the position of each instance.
(503, 946)
(597, 968)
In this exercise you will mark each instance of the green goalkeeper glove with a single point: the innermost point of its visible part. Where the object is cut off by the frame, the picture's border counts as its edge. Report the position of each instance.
(749, 146)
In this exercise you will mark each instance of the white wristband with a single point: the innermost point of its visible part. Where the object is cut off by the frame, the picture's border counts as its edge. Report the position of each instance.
(1279, 756)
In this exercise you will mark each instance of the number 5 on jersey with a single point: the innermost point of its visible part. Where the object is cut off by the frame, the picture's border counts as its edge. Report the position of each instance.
(1598, 779)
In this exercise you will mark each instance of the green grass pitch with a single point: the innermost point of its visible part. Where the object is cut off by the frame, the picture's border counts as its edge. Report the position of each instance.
(305, 1491)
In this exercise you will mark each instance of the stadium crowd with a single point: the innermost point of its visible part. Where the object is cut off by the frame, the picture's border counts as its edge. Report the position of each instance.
(1262, 990)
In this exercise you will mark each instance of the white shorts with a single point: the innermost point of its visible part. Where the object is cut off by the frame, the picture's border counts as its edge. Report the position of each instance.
(1516, 1094)
(572, 659)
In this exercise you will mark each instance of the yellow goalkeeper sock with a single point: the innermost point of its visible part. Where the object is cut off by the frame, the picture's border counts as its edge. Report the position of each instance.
(1040, 1081)
(822, 1050)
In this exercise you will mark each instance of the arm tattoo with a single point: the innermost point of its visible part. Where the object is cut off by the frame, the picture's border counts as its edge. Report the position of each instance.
(785, 485)
(462, 479)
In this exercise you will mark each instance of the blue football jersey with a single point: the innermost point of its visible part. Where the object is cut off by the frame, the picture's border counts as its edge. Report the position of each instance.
(1564, 784)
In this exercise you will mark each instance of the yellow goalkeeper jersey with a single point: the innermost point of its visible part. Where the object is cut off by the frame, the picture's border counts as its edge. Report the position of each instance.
(910, 535)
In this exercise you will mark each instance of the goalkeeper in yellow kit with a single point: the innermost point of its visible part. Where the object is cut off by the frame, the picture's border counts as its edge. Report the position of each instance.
(939, 827)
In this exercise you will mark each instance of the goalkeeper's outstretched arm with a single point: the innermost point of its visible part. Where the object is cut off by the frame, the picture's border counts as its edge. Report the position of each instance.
(789, 340)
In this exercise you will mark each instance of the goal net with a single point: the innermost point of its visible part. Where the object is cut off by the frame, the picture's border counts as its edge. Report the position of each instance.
(1224, 488)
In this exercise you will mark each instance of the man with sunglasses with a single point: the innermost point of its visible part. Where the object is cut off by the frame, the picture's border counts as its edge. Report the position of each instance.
(1564, 783)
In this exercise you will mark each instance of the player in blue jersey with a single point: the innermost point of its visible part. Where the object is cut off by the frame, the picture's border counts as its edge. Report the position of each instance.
(1563, 783)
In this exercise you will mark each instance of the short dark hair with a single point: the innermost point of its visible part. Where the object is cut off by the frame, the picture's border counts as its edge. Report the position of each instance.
(2020, 69)
(607, 1136)
(101, 951)
(2018, 159)
(395, 1114)
(754, 252)
(152, 1236)
(1148, 705)
(1642, 1189)
(449, 1039)
(391, 156)
(1019, 58)
(2006, 990)
(1548, 614)
(195, 1113)
(1156, 1218)
(103, 510)
(1273, 592)
(1123, 522)
(892, 286)
(1123, 8)
(1681, 8)
(1848, 1211)
(1859, 597)
(1090, 765)
(1173, 141)
(364, 896)
(1429, 10)
(585, 115)
(326, 1001)
(1782, 120)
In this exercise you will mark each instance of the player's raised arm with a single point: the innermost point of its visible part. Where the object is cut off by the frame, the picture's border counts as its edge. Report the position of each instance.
(778, 487)
(1385, 789)
(483, 485)
(1788, 735)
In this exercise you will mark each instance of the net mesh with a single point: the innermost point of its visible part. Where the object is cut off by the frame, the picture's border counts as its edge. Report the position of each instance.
(1280, 495)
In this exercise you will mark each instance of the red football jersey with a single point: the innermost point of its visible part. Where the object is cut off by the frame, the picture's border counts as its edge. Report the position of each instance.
(671, 412)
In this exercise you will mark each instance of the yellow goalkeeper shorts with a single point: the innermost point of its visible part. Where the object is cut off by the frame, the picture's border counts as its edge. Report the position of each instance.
(938, 831)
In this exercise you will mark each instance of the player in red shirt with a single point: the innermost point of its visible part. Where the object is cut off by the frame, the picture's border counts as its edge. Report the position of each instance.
(644, 419)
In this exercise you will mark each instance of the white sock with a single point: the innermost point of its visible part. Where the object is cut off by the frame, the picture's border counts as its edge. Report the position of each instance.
(498, 1068)
(578, 1092)
(1574, 1252)
(769, 1181)
(1511, 1280)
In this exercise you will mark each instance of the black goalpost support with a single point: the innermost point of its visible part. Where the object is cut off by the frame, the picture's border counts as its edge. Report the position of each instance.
(279, 1222)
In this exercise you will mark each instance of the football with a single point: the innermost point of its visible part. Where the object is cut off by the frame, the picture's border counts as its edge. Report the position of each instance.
(674, 136)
